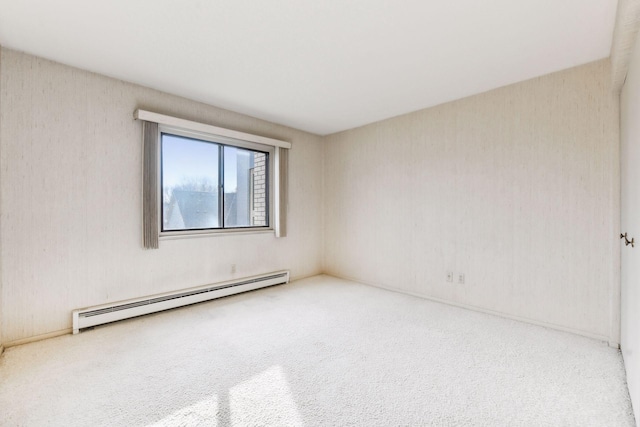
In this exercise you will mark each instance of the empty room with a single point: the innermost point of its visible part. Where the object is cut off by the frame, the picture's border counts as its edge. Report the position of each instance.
(285, 213)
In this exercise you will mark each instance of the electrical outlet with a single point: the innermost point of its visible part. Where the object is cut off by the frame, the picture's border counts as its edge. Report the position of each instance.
(449, 276)
(233, 268)
(461, 278)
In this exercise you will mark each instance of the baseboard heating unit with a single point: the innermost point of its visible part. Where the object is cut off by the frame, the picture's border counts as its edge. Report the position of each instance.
(107, 313)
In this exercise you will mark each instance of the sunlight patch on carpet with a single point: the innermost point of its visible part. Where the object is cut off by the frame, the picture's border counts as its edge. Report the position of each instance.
(202, 412)
(264, 399)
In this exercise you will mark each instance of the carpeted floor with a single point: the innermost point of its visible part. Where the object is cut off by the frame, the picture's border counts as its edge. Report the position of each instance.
(318, 352)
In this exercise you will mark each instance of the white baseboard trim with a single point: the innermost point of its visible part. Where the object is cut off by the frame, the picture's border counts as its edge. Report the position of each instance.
(37, 338)
(485, 310)
(612, 344)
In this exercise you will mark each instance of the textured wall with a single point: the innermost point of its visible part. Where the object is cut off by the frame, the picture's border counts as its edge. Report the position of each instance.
(630, 215)
(517, 188)
(71, 235)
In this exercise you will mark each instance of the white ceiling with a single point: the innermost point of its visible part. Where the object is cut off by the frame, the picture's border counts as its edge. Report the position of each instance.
(318, 65)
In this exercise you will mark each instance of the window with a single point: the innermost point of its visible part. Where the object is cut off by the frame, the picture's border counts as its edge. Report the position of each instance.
(212, 183)
(202, 179)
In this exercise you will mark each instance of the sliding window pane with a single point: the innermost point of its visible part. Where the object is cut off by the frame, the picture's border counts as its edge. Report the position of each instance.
(189, 184)
(245, 184)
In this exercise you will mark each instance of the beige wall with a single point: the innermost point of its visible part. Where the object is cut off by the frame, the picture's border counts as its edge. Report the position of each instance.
(70, 180)
(516, 188)
(630, 215)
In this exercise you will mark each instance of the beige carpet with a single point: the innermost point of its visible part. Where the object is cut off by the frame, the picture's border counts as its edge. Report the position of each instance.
(318, 352)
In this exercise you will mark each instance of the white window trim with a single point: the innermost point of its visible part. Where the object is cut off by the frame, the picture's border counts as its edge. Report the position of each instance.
(277, 200)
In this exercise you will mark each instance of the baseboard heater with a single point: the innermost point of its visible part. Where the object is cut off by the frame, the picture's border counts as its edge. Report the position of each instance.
(107, 313)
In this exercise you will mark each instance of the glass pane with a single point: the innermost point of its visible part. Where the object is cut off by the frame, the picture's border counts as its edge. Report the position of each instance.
(245, 188)
(189, 183)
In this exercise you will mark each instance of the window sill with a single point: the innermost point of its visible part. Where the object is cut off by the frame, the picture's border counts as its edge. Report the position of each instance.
(212, 233)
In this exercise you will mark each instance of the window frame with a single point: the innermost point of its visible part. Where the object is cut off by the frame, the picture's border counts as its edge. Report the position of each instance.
(222, 141)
